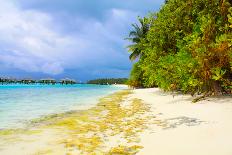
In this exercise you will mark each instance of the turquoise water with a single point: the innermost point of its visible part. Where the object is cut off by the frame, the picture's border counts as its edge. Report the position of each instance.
(21, 103)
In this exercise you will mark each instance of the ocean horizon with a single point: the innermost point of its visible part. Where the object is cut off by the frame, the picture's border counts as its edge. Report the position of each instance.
(21, 103)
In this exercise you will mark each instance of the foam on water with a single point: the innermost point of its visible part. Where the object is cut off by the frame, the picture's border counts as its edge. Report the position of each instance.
(22, 103)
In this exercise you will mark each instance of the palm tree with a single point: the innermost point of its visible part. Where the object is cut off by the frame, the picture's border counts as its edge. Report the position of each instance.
(136, 36)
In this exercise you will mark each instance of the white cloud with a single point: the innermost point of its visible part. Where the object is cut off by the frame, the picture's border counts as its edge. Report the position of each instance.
(29, 40)
(29, 33)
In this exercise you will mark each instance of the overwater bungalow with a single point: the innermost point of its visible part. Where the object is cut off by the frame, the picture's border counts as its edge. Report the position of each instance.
(47, 81)
(27, 81)
(7, 80)
(67, 81)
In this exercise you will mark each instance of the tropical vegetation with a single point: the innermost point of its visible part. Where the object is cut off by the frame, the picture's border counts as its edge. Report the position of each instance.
(108, 81)
(186, 46)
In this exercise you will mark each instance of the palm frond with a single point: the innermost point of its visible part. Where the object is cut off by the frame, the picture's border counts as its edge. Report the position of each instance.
(134, 55)
(132, 33)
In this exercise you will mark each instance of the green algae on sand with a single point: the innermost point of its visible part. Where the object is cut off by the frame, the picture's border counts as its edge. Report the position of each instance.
(89, 132)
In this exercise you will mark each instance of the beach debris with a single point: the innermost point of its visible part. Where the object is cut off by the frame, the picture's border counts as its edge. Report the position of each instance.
(124, 150)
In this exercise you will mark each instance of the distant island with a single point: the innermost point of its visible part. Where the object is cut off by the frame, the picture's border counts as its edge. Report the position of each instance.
(108, 81)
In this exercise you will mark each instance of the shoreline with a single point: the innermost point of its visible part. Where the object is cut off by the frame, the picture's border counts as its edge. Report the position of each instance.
(80, 107)
(92, 128)
(139, 121)
(21, 105)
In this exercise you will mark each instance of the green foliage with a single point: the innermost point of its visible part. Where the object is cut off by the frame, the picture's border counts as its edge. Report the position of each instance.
(188, 47)
(108, 81)
(218, 73)
(136, 76)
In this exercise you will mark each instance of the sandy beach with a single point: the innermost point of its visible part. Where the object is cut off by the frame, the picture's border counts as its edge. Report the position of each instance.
(139, 121)
(202, 128)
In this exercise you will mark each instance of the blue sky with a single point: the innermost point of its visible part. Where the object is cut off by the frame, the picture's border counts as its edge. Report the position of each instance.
(81, 39)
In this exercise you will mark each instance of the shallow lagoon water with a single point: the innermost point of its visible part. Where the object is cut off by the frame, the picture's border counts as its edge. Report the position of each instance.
(21, 103)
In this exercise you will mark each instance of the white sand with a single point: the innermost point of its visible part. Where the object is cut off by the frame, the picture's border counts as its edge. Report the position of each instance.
(34, 144)
(210, 134)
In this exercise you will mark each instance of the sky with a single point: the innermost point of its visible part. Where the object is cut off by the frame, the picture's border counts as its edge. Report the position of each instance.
(80, 39)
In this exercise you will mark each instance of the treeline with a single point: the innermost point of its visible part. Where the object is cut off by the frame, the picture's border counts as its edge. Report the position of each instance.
(186, 46)
(108, 81)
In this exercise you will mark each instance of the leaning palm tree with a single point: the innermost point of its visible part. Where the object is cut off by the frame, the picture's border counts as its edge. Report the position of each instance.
(136, 35)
